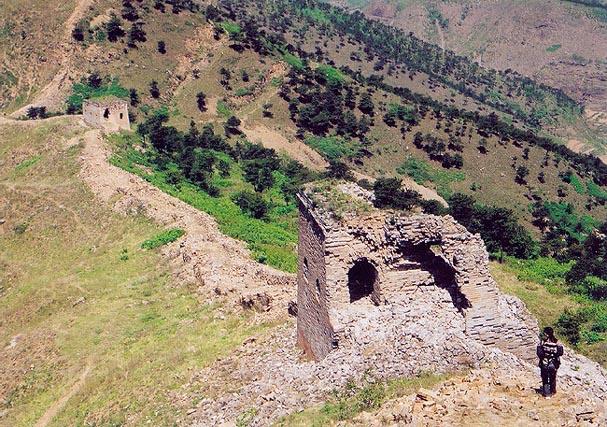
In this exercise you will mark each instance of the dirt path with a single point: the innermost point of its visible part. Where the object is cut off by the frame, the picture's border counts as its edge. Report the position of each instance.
(60, 404)
(51, 95)
(219, 265)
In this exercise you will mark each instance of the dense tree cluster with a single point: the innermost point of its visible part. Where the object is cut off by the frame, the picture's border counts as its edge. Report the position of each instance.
(498, 227)
(590, 270)
(34, 113)
(320, 105)
(195, 156)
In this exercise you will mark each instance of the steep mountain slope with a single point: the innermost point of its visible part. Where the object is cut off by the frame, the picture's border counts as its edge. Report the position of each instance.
(560, 43)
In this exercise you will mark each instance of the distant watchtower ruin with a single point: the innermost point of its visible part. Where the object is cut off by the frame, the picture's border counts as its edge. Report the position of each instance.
(364, 272)
(110, 114)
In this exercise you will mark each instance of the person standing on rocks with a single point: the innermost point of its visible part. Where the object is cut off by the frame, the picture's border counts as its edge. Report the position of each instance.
(549, 351)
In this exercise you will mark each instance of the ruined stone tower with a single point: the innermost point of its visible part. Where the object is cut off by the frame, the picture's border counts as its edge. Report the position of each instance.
(110, 114)
(362, 269)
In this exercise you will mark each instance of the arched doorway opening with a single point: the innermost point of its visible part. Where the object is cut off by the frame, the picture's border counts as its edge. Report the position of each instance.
(362, 280)
(106, 113)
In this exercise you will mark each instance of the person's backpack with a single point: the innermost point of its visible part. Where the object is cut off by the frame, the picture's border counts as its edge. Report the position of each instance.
(551, 354)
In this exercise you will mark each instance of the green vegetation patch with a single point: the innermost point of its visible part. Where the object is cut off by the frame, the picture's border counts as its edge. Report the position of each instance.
(82, 91)
(332, 74)
(293, 61)
(164, 238)
(596, 190)
(422, 172)
(553, 48)
(333, 147)
(243, 91)
(565, 216)
(575, 181)
(543, 270)
(316, 15)
(27, 163)
(577, 184)
(230, 27)
(223, 109)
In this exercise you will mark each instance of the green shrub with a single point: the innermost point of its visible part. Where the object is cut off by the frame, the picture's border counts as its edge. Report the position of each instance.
(595, 287)
(332, 147)
(553, 48)
(570, 324)
(243, 91)
(591, 337)
(164, 238)
(251, 203)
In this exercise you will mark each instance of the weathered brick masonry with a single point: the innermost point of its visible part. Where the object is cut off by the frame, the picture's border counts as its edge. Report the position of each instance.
(110, 114)
(356, 267)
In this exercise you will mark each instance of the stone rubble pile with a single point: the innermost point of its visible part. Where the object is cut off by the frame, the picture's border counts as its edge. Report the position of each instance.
(271, 377)
(504, 392)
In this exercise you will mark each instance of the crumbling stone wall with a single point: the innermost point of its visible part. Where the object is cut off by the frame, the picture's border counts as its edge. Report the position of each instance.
(314, 330)
(399, 258)
(110, 115)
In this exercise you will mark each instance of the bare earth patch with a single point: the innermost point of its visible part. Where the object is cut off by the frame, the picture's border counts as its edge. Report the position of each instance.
(294, 148)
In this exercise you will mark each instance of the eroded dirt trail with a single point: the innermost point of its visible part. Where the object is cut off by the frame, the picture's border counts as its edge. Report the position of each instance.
(60, 404)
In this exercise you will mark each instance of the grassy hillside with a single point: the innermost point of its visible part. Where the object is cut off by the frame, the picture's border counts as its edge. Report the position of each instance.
(82, 306)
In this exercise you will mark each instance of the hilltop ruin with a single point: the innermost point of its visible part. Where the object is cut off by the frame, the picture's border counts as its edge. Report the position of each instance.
(109, 114)
(360, 268)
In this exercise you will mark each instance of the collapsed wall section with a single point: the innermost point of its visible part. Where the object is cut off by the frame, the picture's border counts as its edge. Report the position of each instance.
(356, 267)
(490, 317)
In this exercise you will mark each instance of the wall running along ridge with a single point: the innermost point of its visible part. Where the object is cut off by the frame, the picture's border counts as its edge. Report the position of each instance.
(373, 266)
